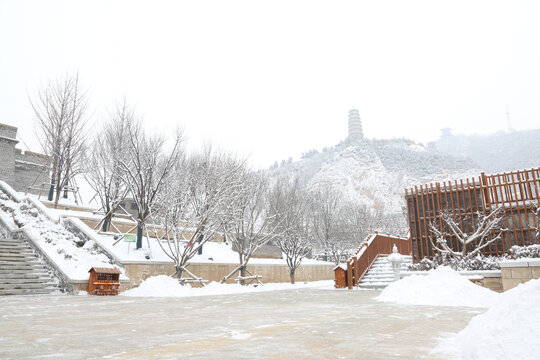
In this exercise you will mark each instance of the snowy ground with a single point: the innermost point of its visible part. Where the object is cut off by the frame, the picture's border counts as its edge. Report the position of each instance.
(509, 329)
(213, 252)
(290, 324)
(166, 286)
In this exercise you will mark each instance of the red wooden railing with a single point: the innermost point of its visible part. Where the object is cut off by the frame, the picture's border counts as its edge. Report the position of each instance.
(376, 244)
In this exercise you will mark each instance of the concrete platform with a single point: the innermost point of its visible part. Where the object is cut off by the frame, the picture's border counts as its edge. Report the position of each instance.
(291, 324)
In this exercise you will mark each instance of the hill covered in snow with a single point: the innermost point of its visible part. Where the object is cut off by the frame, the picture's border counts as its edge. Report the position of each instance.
(499, 152)
(376, 172)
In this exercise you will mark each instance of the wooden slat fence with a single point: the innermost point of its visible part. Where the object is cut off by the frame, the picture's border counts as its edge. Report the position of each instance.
(517, 191)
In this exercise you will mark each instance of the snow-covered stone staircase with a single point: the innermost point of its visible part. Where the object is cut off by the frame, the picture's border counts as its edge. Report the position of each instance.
(22, 272)
(380, 274)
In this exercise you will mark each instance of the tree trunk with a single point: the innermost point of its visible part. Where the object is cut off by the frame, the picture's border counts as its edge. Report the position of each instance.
(178, 272)
(292, 276)
(57, 197)
(105, 225)
(199, 240)
(107, 221)
(242, 274)
(139, 235)
(51, 193)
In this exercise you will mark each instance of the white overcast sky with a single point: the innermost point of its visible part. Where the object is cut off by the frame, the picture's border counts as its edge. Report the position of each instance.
(272, 79)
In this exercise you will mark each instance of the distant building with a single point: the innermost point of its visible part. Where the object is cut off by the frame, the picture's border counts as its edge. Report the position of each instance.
(355, 125)
(20, 169)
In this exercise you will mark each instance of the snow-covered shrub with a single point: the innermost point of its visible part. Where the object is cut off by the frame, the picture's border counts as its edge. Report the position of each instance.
(531, 251)
(424, 265)
(479, 262)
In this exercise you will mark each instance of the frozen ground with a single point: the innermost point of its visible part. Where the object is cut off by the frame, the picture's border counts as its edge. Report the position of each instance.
(290, 324)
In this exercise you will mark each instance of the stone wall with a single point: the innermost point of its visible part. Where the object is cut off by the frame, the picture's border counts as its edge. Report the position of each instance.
(270, 273)
(492, 283)
(7, 158)
(8, 131)
(17, 168)
(515, 272)
(30, 170)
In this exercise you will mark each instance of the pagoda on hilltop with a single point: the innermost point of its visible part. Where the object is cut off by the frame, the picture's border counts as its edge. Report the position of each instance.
(355, 125)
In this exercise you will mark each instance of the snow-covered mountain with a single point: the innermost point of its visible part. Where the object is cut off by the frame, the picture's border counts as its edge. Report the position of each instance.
(376, 172)
(499, 152)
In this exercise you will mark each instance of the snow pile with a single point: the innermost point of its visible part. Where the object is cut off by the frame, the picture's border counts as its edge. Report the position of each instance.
(510, 329)
(166, 286)
(73, 255)
(440, 287)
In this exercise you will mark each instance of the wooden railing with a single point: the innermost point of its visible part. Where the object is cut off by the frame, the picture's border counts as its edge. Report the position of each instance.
(376, 244)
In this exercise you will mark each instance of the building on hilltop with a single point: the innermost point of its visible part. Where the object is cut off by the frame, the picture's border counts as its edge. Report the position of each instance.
(20, 169)
(355, 125)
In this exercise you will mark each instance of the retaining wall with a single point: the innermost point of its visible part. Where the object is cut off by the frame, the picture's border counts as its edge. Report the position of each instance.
(515, 272)
(271, 273)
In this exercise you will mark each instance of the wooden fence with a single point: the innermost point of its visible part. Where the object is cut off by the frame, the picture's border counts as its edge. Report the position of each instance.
(375, 245)
(517, 192)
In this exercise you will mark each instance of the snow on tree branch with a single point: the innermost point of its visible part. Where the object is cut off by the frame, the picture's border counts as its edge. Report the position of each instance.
(484, 232)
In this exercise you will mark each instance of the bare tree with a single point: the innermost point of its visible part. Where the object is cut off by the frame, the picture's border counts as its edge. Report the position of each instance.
(61, 112)
(358, 222)
(147, 168)
(471, 242)
(327, 222)
(290, 203)
(103, 167)
(253, 225)
(197, 204)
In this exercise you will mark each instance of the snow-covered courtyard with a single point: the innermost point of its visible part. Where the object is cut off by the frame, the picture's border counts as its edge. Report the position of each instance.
(304, 323)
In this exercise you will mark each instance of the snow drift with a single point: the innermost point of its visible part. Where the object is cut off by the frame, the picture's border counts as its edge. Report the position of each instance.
(510, 329)
(441, 287)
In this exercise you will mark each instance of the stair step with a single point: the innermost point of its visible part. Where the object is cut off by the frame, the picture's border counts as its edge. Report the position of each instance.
(16, 257)
(12, 241)
(27, 291)
(24, 272)
(372, 287)
(25, 286)
(6, 263)
(22, 266)
(380, 274)
(16, 250)
(41, 281)
(13, 245)
(25, 275)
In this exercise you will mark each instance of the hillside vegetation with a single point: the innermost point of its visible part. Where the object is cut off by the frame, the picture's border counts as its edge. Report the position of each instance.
(376, 172)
